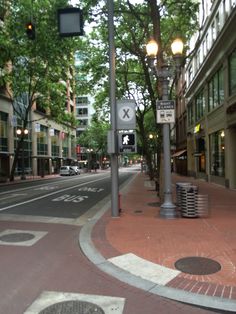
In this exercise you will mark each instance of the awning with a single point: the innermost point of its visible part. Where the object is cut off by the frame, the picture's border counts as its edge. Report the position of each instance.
(179, 153)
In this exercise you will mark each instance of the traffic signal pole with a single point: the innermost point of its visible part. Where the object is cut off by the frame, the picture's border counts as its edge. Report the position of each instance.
(114, 153)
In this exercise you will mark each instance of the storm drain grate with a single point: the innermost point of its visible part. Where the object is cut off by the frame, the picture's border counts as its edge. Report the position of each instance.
(196, 265)
(73, 307)
(17, 237)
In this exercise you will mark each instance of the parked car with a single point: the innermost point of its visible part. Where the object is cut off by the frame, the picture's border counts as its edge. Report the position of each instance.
(67, 171)
(76, 169)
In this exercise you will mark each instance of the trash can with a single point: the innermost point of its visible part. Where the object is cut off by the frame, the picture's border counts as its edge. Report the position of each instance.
(179, 185)
(188, 201)
(202, 205)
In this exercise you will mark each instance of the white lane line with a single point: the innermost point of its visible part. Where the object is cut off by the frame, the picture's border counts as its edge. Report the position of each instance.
(51, 183)
(49, 194)
(12, 195)
(140, 267)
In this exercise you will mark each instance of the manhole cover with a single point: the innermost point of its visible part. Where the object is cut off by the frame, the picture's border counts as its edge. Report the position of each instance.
(17, 237)
(196, 265)
(154, 204)
(73, 307)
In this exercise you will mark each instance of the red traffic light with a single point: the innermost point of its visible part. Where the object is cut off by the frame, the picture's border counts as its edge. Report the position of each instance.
(30, 30)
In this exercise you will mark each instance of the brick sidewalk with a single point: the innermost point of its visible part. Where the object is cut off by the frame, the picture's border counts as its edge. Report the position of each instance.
(140, 231)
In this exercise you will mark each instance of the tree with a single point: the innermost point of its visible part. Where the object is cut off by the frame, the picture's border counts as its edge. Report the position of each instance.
(135, 24)
(95, 137)
(33, 69)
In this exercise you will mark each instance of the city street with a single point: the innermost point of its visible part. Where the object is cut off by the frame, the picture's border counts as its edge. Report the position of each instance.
(41, 261)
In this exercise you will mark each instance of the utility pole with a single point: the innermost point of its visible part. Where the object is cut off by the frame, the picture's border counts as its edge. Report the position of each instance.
(114, 153)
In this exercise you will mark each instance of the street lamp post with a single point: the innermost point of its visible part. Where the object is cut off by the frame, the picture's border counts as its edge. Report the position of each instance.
(22, 133)
(168, 209)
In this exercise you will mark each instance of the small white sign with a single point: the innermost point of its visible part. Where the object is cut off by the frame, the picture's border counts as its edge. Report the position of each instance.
(37, 127)
(165, 111)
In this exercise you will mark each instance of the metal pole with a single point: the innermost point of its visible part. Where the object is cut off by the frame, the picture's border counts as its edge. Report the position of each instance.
(114, 156)
(23, 157)
(168, 209)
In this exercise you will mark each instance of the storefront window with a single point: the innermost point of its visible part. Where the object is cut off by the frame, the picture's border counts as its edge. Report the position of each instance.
(217, 153)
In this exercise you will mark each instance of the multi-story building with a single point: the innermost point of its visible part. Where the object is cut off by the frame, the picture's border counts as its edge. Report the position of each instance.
(208, 131)
(47, 144)
(83, 113)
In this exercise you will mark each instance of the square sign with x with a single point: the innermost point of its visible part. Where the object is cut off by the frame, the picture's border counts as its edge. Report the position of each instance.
(126, 115)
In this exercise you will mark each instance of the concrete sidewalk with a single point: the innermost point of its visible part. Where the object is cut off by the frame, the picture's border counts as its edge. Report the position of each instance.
(192, 260)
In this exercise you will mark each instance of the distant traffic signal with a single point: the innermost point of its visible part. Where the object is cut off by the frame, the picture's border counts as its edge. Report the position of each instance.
(30, 30)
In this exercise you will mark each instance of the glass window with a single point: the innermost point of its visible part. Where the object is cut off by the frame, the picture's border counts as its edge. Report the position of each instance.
(190, 115)
(42, 140)
(210, 95)
(200, 105)
(81, 100)
(55, 143)
(232, 73)
(217, 23)
(213, 31)
(221, 86)
(190, 74)
(216, 90)
(3, 132)
(65, 146)
(217, 153)
(82, 111)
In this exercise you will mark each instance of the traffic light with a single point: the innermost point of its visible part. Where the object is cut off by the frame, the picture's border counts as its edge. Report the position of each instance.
(30, 30)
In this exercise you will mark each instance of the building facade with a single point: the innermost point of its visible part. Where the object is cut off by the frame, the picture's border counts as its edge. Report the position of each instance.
(46, 146)
(209, 85)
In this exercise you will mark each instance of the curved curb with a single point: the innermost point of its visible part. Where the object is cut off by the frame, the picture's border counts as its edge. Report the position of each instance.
(89, 250)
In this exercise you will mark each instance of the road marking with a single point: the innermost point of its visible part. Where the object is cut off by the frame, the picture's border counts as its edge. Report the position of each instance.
(70, 198)
(138, 266)
(49, 194)
(46, 188)
(12, 195)
(51, 183)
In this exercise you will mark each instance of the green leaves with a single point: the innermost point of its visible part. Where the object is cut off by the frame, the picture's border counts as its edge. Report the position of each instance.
(36, 66)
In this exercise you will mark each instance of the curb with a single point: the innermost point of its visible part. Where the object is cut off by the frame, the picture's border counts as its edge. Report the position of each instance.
(89, 250)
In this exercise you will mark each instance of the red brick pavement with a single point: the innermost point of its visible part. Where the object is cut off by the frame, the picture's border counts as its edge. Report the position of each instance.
(140, 231)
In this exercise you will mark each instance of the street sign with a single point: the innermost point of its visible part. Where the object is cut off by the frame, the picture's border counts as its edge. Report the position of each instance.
(165, 111)
(127, 142)
(126, 116)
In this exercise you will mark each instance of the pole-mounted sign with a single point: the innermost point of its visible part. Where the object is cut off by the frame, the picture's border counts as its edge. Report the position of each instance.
(165, 111)
(126, 116)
